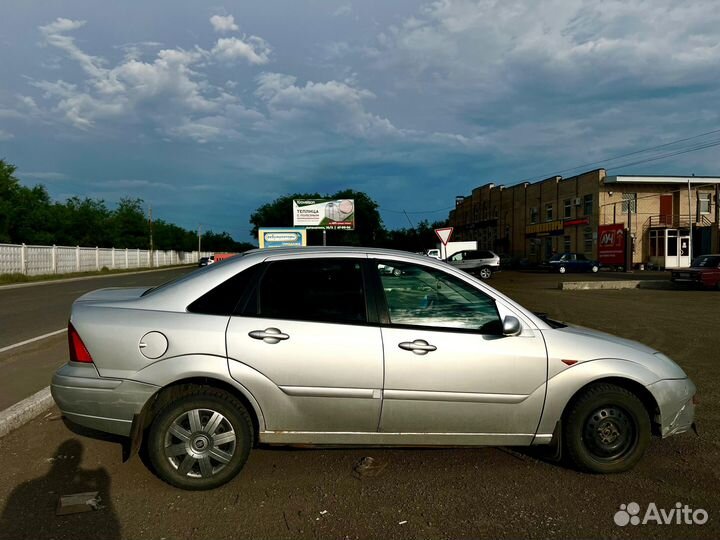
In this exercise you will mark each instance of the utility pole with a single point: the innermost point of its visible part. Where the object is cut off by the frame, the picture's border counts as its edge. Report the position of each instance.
(629, 240)
(150, 223)
(717, 216)
(690, 221)
(199, 237)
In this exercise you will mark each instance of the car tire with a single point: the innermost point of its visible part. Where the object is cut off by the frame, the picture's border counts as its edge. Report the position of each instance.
(397, 272)
(595, 268)
(562, 269)
(485, 272)
(606, 429)
(197, 421)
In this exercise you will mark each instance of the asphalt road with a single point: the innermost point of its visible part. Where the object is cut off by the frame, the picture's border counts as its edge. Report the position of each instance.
(427, 493)
(28, 312)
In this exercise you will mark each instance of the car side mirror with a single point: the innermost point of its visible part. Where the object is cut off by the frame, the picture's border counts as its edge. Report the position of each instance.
(511, 326)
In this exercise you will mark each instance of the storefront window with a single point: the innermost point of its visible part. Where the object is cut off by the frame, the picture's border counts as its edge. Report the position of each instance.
(566, 244)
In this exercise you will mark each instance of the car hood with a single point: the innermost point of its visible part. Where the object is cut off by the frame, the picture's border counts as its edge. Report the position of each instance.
(113, 294)
(607, 338)
(585, 344)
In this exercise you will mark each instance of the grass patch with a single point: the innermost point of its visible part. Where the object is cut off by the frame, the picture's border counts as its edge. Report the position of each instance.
(8, 279)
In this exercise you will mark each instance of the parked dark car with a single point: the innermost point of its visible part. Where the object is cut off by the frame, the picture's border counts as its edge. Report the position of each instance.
(704, 271)
(572, 262)
(205, 261)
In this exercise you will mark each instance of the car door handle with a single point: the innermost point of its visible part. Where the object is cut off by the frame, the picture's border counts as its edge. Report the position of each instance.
(419, 346)
(269, 335)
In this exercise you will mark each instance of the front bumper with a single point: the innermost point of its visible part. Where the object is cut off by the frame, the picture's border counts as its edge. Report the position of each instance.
(675, 398)
(99, 403)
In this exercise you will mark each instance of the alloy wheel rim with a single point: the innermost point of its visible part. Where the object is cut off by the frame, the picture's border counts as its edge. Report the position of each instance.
(610, 433)
(485, 273)
(200, 443)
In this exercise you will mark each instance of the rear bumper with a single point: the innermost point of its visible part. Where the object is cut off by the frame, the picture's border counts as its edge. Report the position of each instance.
(99, 403)
(677, 407)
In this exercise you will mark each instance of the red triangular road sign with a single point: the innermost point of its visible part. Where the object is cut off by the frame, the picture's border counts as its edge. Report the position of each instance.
(444, 234)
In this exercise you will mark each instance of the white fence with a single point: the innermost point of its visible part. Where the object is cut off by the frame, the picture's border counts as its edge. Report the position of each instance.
(39, 260)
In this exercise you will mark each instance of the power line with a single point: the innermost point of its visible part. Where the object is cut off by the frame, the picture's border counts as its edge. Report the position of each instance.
(674, 152)
(614, 158)
(663, 156)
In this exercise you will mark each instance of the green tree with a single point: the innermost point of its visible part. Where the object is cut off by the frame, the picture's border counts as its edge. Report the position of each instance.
(9, 188)
(130, 228)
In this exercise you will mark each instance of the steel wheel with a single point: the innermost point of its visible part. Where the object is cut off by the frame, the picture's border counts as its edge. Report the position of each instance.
(610, 433)
(200, 443)
(606, 429)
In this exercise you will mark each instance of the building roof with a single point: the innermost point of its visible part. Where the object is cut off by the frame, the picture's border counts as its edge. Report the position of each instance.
(647, 179)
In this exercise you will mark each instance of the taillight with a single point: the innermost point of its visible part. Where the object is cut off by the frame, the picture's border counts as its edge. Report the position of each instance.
(78, 351)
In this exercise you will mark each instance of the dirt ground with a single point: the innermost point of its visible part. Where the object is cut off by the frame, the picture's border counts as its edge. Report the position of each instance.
(421, 493)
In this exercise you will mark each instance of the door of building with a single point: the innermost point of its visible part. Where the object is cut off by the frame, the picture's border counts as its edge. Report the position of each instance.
(666, 205)
(677, 248)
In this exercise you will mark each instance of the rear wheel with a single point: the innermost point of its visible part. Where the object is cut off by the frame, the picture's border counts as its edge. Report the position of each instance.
(485, 272)
(200, 441)
(595, 268)
(606, 429)
(562, 269)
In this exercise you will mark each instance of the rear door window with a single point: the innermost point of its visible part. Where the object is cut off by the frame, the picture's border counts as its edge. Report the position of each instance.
(323, 290)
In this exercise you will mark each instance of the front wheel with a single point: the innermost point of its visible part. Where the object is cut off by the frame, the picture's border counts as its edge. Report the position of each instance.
(562, 269)
(485, 272)
(595, 268)
(200, 441)
(606, 429)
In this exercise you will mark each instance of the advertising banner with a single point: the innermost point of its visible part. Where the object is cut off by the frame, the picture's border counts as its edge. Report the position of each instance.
(611, 244)
(324, 214)
(282, 237)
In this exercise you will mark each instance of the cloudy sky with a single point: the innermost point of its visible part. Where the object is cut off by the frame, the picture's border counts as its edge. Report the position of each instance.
(207, 110)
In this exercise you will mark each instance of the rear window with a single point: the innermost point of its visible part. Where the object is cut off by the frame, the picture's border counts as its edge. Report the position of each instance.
(223, 299)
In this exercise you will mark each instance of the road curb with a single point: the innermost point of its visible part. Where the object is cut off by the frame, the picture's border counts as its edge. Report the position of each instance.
(80, 278)
(22, 412)
(616, 284)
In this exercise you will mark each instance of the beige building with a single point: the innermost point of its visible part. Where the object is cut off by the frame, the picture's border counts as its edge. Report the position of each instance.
(534, 220)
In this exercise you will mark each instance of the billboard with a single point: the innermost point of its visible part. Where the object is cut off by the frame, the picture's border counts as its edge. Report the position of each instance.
(324, 213)
(282, 237)
(611, 244)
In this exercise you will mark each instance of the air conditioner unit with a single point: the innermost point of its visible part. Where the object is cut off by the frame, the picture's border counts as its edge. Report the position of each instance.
(577, 201)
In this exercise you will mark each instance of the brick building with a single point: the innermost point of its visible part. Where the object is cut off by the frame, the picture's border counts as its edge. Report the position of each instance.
(534, 220)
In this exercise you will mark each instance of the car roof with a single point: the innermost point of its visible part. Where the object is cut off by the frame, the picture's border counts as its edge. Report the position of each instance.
(325, 250)
(178, 294)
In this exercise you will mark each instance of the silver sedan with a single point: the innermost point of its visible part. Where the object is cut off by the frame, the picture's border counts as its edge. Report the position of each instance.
(322, 346)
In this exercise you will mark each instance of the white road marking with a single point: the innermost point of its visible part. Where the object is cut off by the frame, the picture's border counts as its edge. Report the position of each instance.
(31, 340)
